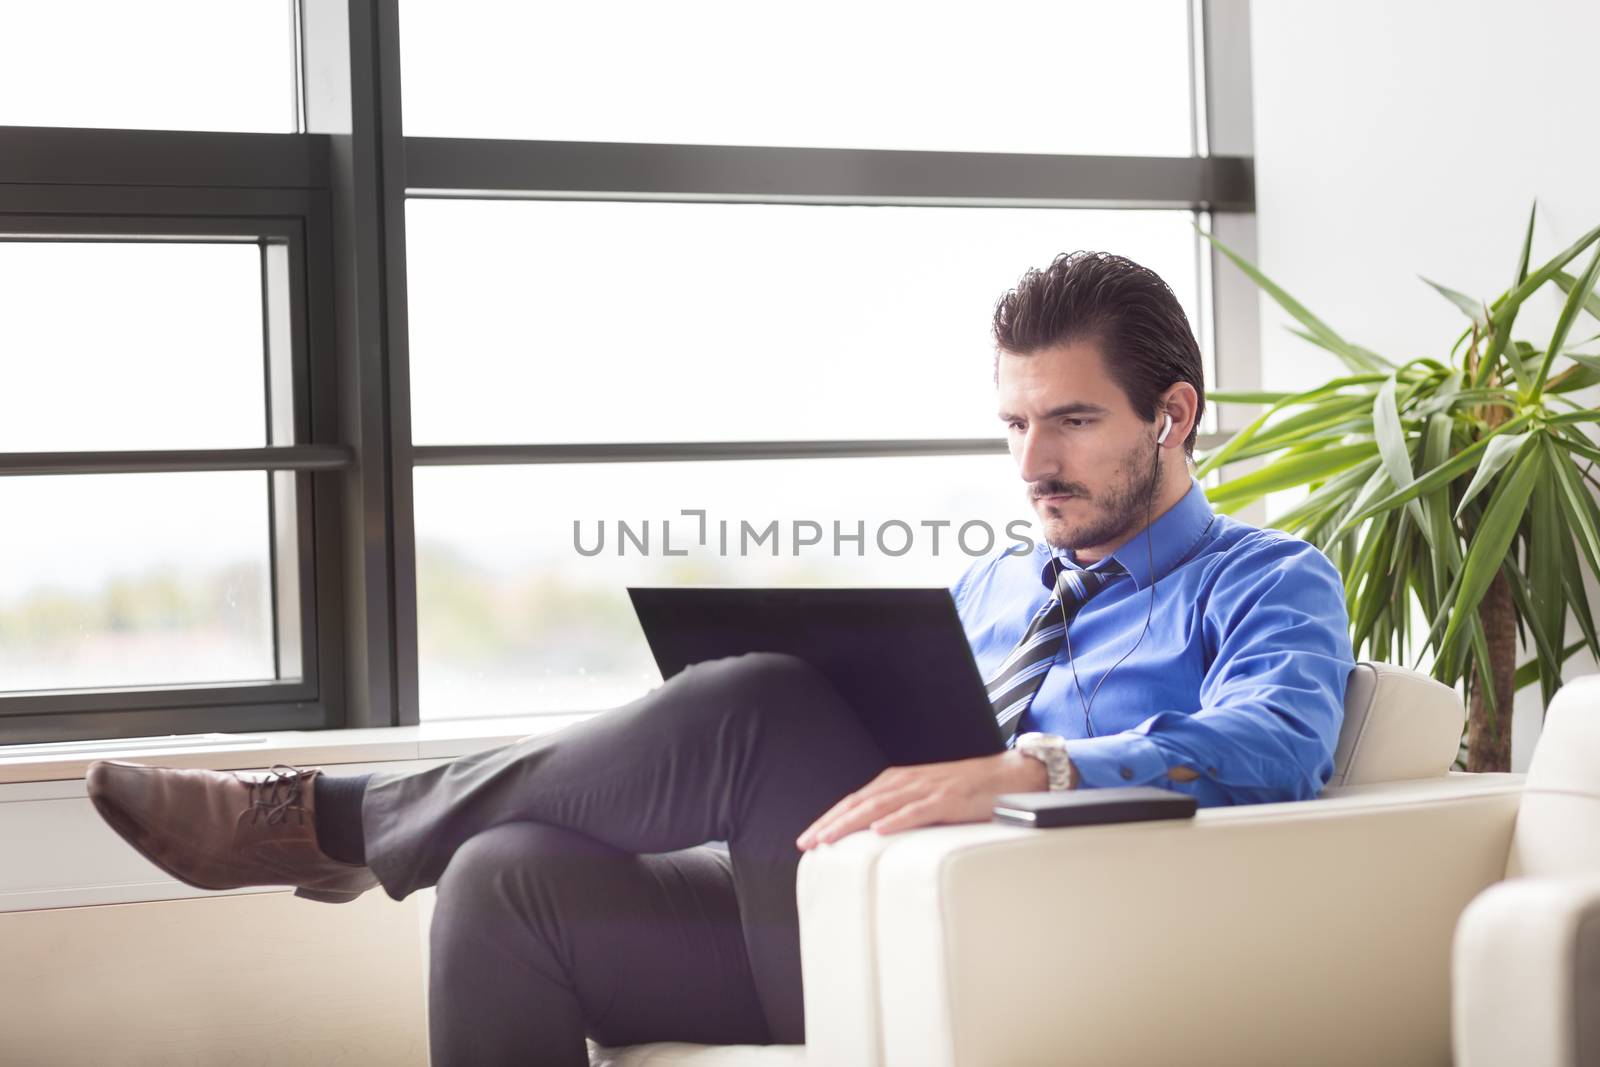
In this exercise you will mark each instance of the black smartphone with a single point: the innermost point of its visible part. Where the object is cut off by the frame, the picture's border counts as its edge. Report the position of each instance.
(1092, 807)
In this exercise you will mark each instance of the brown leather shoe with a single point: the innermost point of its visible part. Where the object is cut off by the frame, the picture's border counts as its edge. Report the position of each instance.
(222, 829)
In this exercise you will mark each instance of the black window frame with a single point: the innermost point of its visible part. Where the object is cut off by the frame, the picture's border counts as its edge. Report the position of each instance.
(135, 186)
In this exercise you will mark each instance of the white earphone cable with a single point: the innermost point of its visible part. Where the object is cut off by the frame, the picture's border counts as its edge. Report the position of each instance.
(1155, 478)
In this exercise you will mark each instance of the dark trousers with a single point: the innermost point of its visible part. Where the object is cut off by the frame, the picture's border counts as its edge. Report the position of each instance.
(576, 892)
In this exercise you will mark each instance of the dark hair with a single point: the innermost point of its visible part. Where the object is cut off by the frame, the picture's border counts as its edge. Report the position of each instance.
(1132, 314)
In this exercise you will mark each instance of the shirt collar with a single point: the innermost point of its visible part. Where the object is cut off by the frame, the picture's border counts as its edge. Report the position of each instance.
(1169, 540)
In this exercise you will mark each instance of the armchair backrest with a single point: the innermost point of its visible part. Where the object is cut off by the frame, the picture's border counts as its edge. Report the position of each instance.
(1558, 822)
(1398, 724)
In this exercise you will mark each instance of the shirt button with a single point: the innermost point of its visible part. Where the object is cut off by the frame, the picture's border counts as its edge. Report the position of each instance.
(1127, 772)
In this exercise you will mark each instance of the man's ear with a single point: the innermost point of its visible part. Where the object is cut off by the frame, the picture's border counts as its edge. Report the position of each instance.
(1181, 402)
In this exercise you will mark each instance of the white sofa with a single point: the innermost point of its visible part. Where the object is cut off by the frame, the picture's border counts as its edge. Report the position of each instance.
(1310, 932)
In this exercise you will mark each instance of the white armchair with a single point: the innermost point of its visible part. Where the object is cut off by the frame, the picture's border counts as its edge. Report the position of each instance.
(1224, 939)
(1309, 932)
(1527, 952)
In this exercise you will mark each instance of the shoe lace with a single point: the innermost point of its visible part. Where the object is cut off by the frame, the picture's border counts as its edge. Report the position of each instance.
(277, 793)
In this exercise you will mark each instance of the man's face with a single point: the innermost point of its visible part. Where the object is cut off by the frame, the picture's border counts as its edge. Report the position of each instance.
(1088, 459)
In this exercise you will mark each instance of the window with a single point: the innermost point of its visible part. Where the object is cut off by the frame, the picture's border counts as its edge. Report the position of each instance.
(156, 64)
(170, 356)
(1048, 76)
(735, 228)
(136, 580)
(157, 558)
(731, 322)
(313, 406)
(522, 571)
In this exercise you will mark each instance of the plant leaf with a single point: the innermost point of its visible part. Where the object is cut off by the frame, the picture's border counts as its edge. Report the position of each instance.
(1392, 449)
(1569, 312)
(1340, 347)
(1546, 608)
(1315, 419)
(1527, 246)
(1234, 397)
(1492, 538)
(1584, 359)
(1528, 673)
(1289, 472)
(1591, 303)
(1443, 397)
(1578, 507)
(1444, 557)
(1480, 650)
(1572, 417)
(1354, 356)
(1573, 440)
(1457, 464)
(1335, 493)
(1224, 452)
(1585, 373)
(1366, 584)
(1497, 455)
(1577, 595)
(1504, 310)
(1476, 310)
(1530, 283)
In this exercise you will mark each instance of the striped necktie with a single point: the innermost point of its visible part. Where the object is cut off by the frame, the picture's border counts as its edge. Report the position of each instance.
(1020, 674)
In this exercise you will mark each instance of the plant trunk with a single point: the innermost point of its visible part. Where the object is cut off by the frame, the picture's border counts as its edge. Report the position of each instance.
(1489, 743)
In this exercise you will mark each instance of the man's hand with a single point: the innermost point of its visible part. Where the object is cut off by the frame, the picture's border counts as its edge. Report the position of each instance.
(905, 797)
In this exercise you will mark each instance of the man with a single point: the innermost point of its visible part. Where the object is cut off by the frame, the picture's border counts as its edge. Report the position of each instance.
(1147, 642)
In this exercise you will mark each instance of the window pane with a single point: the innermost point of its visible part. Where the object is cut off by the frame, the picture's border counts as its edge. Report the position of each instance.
(156, 64)
(515, 615)
(126, 345)
(1070, 76)
(134, 579)
(564, 321)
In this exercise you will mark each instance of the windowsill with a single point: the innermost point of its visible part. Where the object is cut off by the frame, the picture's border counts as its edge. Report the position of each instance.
(431, 740)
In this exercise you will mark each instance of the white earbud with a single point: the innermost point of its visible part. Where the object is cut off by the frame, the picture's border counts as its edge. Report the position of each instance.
(1161, 439)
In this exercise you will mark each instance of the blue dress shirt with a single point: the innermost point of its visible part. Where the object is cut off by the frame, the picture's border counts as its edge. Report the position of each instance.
(1241, 676)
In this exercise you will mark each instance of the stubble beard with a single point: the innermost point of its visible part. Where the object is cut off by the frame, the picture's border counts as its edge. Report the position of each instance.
(1119, 511)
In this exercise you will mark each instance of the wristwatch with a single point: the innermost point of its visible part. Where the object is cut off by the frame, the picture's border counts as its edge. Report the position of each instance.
(1051, 750)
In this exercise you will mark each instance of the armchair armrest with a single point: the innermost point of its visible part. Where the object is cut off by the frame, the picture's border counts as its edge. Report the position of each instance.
(1526, 968)
(835, 890)
(1224, 939)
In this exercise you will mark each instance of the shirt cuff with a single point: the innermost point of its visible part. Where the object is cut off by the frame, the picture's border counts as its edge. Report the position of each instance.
(1117, 759)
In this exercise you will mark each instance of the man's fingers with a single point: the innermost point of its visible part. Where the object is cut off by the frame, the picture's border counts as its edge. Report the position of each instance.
(904, 797)
(886, 779)
(853, 817)
(836, 812)
(889, 779)
(861, 815)
(918, 813)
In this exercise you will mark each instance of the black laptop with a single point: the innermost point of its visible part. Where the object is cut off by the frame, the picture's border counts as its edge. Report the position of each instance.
(898, 656)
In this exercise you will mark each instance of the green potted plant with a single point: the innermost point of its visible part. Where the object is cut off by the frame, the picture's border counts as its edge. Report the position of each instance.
(1453, 494)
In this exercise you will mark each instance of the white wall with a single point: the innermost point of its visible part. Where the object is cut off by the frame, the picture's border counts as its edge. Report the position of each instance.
(229, 978)
(1401, 138)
